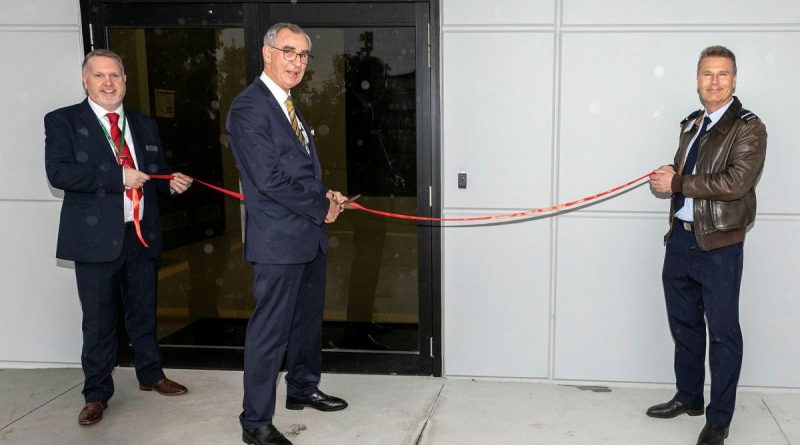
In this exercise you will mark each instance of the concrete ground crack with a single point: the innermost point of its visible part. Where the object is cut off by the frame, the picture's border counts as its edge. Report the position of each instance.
(789, 442)
(36, 408)
(430, 413)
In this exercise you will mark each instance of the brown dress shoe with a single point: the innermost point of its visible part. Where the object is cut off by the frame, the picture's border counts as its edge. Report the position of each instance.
(91, 413)
(165, 387)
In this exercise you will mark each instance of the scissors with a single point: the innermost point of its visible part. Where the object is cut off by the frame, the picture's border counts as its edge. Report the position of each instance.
(349, 200)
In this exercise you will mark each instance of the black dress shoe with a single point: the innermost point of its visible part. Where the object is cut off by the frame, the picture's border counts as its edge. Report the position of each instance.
(264, 435)
(674, 408)
(317, 400)
(713, 435)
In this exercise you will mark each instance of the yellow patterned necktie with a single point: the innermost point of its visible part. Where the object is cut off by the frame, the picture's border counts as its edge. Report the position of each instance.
(294, 122)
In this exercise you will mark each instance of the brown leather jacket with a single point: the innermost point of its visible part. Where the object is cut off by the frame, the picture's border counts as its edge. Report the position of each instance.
(729, 164)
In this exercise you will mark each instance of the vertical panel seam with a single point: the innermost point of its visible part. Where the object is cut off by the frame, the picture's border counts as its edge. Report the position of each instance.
(554, 194)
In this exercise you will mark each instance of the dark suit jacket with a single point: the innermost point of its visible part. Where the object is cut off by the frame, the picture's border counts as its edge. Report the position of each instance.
(285, 199)
(80, 161)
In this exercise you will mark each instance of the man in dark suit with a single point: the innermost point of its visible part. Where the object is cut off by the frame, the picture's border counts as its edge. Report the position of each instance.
(100, 153)
(287, 208)
(712, 181)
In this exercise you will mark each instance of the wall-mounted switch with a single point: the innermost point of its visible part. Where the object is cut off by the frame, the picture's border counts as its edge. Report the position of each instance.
(462, 180)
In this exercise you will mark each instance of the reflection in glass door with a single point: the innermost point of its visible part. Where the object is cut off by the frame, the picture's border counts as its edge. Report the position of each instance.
(185, 78)
(359, 96)
(364, 92)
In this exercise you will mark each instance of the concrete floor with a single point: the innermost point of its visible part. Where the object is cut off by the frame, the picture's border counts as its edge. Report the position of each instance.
(41, 407)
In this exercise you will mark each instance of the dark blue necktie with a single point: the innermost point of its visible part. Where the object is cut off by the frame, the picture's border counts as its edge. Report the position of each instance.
(691, 160)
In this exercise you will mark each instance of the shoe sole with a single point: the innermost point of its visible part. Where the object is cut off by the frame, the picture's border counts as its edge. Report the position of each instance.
(300, 406)
(91, 422)
(150, 388)
(691, 412)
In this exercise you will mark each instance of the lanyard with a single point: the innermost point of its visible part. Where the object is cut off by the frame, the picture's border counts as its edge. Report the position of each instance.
(117, 147)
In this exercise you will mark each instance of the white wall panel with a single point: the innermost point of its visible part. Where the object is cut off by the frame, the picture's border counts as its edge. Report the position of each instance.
(624, 94)
(497, 124)
(496, 299)
(624, 77)
(42, 314)
(768, 65)
(715, 12)
(50, 78)
(620, 107)
(611, 321)
(39, 12)
(467, 12)
(769, 304)
(41, 45)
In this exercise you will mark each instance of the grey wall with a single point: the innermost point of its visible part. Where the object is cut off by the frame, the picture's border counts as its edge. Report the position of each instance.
(544, 102)
(40, 41)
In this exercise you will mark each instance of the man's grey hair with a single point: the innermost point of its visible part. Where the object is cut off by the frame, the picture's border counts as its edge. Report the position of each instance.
(717, 51)
(103, 53)
(272, 33)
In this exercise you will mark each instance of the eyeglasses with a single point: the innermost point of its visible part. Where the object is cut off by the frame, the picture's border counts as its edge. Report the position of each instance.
(290, 55)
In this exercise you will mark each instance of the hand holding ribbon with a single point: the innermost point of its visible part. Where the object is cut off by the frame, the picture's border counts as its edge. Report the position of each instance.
(180, 182)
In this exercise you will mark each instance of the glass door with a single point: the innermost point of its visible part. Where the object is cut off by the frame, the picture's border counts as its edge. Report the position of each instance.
(364, 95)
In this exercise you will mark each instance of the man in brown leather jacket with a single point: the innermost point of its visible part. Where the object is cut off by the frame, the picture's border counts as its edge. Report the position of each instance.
(712, 182)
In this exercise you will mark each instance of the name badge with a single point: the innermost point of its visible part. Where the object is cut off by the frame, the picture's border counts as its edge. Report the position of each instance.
(151, 147)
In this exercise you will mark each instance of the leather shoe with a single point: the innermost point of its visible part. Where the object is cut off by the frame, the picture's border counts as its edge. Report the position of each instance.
(713, 435)
(317, 400)
(264, 435)
(91, 413)
(165, 387)
(674, 408)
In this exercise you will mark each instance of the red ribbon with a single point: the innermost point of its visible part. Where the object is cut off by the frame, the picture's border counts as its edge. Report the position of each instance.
(473, 218)
(211, 186)
(136, 197)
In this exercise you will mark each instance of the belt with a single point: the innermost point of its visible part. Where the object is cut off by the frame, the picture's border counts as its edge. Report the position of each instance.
(687, 226)
(129, 225)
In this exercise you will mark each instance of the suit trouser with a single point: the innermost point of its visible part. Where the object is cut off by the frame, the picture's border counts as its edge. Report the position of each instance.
(287, 321)
(131, 277)
(704, 286)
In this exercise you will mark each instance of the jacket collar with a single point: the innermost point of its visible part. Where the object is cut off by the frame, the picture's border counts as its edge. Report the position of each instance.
(89, 119)
(727, 120)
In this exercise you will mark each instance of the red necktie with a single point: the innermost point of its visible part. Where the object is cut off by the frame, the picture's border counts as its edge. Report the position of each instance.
(124, 158)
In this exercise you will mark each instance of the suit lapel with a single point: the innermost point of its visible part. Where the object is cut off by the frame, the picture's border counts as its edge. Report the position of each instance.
(136, 133)
(312, 147)
(93, 126)
(280, 116)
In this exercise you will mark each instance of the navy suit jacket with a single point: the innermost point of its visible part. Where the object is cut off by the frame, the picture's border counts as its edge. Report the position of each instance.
(79, 160)
(285, 200)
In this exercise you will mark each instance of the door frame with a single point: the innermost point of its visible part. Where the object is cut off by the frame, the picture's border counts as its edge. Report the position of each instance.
(255, 17)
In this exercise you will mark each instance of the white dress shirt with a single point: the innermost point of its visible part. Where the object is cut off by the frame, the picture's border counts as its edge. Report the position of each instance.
(103, 119)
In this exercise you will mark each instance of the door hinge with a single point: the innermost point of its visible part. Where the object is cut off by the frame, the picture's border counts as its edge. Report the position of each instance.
(429, 45)
(430, 351)
(430, 196)
(91, 37)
